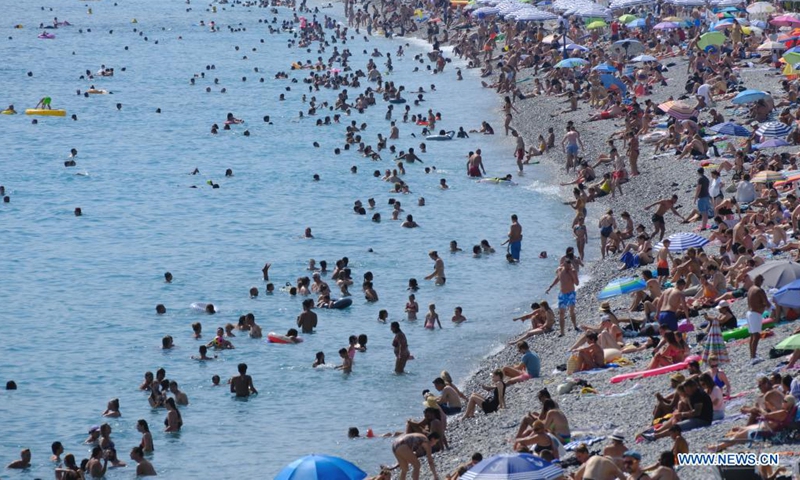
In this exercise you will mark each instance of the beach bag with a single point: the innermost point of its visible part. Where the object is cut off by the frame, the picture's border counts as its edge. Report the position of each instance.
(777, 353)
(572, 364)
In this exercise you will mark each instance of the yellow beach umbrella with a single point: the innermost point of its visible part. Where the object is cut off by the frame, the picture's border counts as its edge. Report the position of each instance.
(597, 24)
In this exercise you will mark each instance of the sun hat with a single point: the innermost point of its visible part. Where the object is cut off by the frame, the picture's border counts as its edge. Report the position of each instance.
(605, 307)
(678, 377)
(723, 304)
(632, 454)
(618, 437)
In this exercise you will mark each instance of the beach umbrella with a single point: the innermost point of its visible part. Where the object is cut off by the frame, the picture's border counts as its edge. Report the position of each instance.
(678, 110)
(666, 26)
(644, 58)
(791, 343)
(785, 21)
(752, 31)
(572, 47)
(516, 466)
(604, 68)
(638, 23)
(730, 128)
(321, 467)
(777, 273)
(571, 63)
(621, 287)
(767, 176)
(596, 24)
(749, 96)
(760, 7)
(772, 143)
(683, 241)
(788, 296)
(771, 46)
(721, 25)
(709, 39)
(610, 81)
(774, 129)
(792, 58)
(533, 15)
(627, 18)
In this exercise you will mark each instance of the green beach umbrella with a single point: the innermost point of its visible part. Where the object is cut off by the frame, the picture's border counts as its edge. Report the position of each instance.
(711, 38)
(597, 24)
(791, 57)
(627, 18)
(791, 343)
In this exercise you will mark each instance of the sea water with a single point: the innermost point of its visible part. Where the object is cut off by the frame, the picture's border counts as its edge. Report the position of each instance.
(78, 295)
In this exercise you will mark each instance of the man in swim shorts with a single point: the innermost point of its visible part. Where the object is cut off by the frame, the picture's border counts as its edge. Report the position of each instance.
(570, 144)
(475, 164)
(44, 103)
(514, 238)
(664, 206)
(567, 278)
(757, 304)
(662, 262)
(670, 303)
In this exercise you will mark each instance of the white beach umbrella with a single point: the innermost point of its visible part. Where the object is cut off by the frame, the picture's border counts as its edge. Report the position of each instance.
(760, 7)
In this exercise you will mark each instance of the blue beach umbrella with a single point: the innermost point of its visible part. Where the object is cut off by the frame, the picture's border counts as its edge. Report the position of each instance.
(571, 63)
(749, 96)
(605, 68)
(789, 295)
(683, 241)
(638, 23)
(612, 81)
(321, 467)
(772, 143)
(730, 128)
(517, 466)
(621, 287)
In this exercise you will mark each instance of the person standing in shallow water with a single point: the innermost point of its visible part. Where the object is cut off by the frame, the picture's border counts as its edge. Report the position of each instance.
(514, 238)
(438, 268)
(242, 385)
(400, 345)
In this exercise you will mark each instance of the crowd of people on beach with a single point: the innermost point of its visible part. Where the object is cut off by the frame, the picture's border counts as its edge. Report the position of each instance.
(747, 223)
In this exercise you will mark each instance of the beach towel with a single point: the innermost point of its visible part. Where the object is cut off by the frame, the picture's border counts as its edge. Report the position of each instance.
(588, 440)
(713, 344)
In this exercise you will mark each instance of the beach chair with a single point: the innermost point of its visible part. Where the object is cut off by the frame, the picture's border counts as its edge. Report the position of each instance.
(737, 473)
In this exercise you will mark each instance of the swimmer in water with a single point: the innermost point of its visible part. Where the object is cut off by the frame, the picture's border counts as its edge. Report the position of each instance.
(347, 362)
(307, 233)
(203, 354)
(319, 360)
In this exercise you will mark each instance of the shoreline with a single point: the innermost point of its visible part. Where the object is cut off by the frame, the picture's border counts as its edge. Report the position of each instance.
(490, 434)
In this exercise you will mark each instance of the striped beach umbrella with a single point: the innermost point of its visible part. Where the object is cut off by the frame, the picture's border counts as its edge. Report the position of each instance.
(767, 176)
(774, 130)
(731, 129)
(516, 466)
(678, 110)
(621, 287)
(681, 241)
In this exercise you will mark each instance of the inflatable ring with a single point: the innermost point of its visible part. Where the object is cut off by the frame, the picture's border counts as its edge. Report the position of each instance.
(273, 337)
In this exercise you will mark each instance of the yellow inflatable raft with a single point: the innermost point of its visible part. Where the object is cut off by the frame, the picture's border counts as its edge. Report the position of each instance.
(46, 112)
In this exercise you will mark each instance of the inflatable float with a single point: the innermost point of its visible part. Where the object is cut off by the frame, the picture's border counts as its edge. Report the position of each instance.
(46, 36)
(422, 122)
(397, 100)
(46, 112)
(340, 304)
(8, 112)
(447, 136)
(743, 331)
(94, 91)
(273, 337)
(656, 371)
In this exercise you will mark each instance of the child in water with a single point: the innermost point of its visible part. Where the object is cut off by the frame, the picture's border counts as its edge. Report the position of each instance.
(412, 308)
(320, 360)
(432, 318)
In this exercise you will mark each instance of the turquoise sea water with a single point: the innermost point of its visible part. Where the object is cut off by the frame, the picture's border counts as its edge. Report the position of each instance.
(78, 294)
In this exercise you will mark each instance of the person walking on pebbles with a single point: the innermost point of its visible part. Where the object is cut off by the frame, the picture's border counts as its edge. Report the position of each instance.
(567, 279)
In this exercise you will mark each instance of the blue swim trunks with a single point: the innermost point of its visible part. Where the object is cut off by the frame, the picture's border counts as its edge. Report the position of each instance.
(514, 249)
(572, 149)
(566, 300)
(669, 320)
